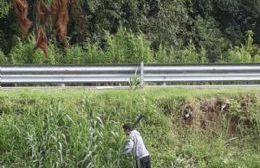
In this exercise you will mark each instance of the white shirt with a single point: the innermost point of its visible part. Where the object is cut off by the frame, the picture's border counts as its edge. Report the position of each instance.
(136, 145)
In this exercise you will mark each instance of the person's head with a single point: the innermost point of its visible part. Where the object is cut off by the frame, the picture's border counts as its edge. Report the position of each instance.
(127, 128)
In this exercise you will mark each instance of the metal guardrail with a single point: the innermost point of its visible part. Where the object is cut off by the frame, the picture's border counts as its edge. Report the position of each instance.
(124, 73)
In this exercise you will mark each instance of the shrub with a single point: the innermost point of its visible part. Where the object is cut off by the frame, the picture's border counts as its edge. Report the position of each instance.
(94, 54)
(207, 35)
(24, 53)
(239, 55)
(3, 58)
(188, 55)
(125, 47)
(247, 53)
(73, 55)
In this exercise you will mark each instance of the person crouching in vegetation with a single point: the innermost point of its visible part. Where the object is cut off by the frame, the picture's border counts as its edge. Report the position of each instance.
(136, 145)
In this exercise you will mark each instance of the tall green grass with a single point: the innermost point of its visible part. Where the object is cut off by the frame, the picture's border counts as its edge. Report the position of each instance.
(124, 47)
(24, 53)
(248, 53)
(81, 128)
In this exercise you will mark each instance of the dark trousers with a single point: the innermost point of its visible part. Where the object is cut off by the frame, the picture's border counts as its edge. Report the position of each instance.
(144, 162)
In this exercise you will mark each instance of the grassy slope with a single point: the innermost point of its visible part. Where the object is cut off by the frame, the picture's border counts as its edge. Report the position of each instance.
(82, 128)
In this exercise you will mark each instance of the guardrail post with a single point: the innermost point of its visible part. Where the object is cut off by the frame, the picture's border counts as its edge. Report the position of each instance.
(142, 74)
(62, 84)
(164, 84)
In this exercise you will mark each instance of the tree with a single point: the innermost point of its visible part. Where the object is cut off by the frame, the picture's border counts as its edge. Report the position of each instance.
(234, 17)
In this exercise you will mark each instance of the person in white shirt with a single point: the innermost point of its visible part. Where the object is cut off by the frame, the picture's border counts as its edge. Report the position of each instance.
(136, 145)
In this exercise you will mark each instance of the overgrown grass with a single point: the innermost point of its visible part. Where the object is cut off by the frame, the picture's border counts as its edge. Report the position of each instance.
(82, 128)
(127, 48)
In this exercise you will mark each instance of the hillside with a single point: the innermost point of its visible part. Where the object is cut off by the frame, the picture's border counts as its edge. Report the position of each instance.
(82, 128)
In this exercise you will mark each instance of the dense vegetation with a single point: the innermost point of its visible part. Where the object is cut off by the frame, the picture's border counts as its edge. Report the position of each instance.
(122, 31)
(82, 128)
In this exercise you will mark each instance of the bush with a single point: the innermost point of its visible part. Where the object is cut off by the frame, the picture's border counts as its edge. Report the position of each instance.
(188, 55)
(73, 55)
(125, 47)
(95, 54)
(3, 59)
(24, 53)
(248, 53)
(207, 35)
(239, 55)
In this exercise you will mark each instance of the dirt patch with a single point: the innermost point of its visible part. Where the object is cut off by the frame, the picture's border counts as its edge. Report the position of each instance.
(230, 115)
(207, 115)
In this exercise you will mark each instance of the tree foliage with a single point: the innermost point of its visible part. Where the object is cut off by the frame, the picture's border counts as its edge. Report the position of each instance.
(211, 26)
(4, 8)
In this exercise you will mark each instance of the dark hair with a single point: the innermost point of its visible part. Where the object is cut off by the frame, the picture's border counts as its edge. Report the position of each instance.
(128, 126)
